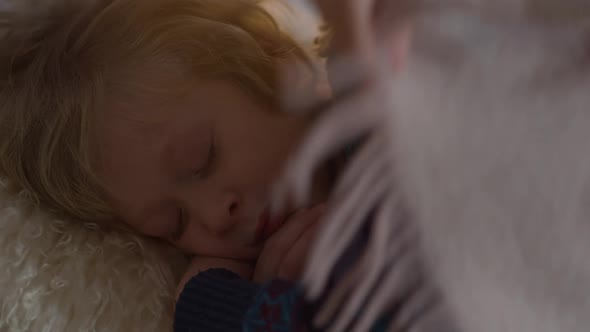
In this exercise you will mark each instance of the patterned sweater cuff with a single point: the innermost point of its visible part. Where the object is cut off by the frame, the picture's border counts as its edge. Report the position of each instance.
(274, 308)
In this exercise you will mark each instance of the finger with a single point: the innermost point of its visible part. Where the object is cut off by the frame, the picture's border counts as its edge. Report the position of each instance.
(292, 265)
(333, 130)
(277, 246)
(272, 252)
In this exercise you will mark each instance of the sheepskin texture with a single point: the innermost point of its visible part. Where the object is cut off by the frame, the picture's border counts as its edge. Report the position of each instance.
(60, 275)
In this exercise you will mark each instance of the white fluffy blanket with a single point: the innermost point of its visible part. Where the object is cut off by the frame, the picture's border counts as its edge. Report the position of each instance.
(67, 276)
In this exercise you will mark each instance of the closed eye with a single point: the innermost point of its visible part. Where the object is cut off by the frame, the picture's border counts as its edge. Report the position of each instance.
(182, 219)
(207, 167)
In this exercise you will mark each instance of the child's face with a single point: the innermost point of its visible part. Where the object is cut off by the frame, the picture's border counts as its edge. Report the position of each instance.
(196, 170)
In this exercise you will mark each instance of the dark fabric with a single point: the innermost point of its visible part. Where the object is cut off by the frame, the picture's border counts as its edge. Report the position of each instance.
(219, 300)
(214, 300)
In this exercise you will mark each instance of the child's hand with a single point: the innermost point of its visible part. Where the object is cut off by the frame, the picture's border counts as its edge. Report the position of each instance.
(285, 252)
(283, 255)
(200, 264)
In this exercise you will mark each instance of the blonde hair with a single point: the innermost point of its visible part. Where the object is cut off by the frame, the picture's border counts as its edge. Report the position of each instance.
(55, 72)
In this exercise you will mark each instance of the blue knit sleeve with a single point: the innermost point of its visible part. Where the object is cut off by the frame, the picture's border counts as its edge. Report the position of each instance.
(279, 306)
(218, 300)
(215, 300)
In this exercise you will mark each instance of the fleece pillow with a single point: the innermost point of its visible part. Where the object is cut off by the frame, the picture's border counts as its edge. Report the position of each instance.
(60, 275)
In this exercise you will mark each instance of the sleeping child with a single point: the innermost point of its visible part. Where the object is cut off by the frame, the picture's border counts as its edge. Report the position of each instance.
(163, 117)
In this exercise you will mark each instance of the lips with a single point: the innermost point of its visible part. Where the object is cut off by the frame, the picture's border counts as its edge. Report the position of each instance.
(268, 225)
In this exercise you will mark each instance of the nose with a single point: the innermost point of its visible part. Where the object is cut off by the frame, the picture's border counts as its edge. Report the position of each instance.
(222, 214)
(231, 205)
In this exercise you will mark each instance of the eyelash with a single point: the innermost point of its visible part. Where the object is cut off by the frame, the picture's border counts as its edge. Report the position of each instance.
(182, 219)
(211, 156)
